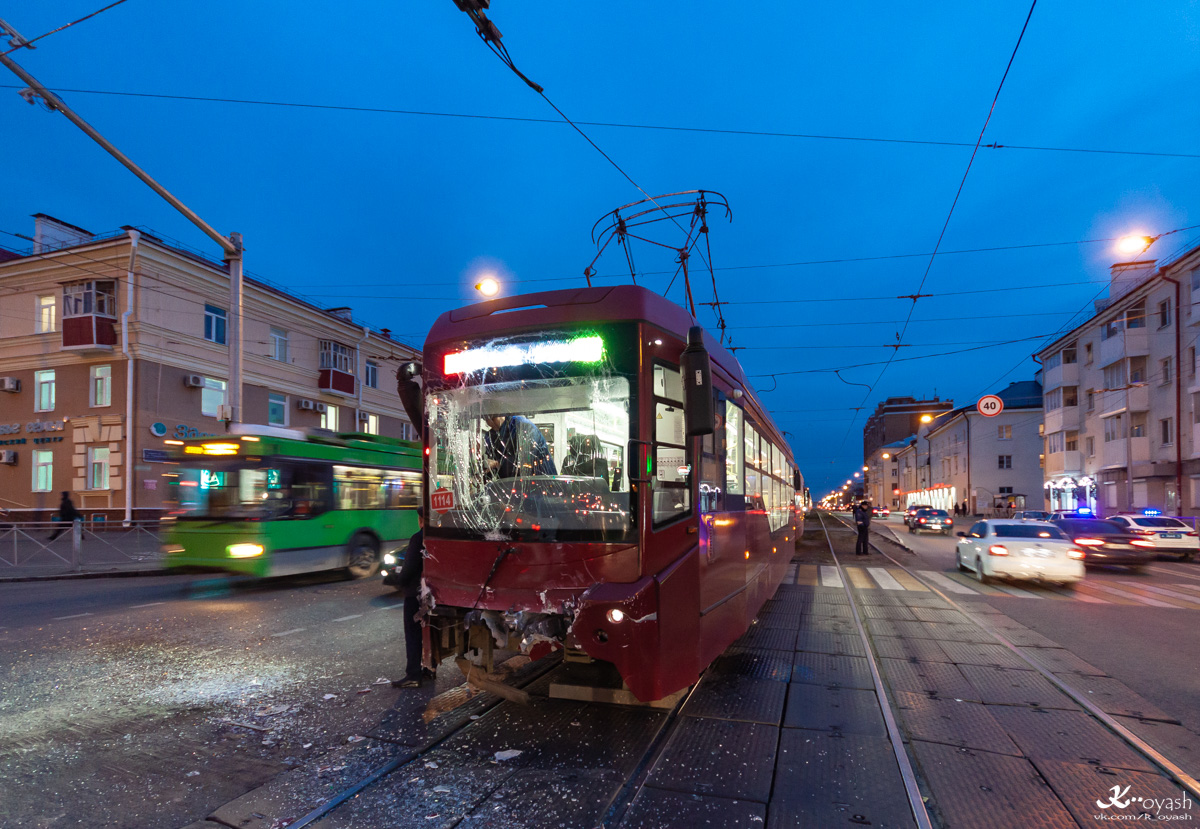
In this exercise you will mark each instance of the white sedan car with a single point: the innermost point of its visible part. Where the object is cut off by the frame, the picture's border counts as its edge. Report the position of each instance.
(1170, 535)
(1003, 548)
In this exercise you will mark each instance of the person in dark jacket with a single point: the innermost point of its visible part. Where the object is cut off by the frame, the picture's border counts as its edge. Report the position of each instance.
(67, 515)
(409, 582)
(862, 520)
(516, 447)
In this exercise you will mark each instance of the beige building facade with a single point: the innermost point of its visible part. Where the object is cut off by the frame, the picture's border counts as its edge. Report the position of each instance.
(1122, 402)
(111, 344)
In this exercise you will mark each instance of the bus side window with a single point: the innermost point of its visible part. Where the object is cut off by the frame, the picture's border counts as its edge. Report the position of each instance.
(311, 487)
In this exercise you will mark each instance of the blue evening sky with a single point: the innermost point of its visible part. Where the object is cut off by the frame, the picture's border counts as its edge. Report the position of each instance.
(394, 214)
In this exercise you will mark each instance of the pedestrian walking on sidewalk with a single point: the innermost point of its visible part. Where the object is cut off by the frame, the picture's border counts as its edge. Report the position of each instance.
(862, 520)
(67, 515)
(410, 584)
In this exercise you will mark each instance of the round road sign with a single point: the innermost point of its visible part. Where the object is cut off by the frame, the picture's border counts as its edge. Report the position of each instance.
(990, 405)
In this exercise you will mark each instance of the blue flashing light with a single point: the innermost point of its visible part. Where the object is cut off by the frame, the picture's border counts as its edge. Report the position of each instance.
(1151, 512)
(1084, 511)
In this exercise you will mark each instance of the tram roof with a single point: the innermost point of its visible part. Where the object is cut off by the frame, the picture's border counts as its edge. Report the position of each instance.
(611, 303)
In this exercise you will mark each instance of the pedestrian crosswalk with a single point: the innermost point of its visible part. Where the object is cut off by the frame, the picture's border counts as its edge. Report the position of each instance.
(1094, 589)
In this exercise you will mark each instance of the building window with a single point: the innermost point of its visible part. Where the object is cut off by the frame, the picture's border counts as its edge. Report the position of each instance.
(1090, 445)
(1087, 354)
(1114, 428)
(371, 425)
(407, 432)
(1054, 444)
(46, 314)
(336, 356)
(1053, 400)
(371, 376)
(101, 386)
(212, 396)
(83, 298)
(1005, 462)
(214, 324)
(98, 467)
(1005, 490)
(329, 419)
(1137, 424)
(43, 391)
(1004, 432)
(1070, 396)
(1165, 369)
(1191, 361)
(279, 344)
(1114, 375)
(1166, 427)
(43, 470)
(1135, 317)
(1091, 399)
(277, 409)
(1164, 313)
(1072, 441)
(1069, 354)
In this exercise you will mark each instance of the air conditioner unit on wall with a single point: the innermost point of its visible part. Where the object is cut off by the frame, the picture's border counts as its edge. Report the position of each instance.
(193, 381)
(321, 407)
(363, 417)
(8, 456)
(306, 405)
(10, 384)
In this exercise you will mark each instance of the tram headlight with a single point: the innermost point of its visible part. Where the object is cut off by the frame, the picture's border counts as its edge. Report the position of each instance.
(244, 550)
(616, 615)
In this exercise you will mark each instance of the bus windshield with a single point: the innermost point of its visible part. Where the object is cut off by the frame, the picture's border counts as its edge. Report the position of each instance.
(531, 460)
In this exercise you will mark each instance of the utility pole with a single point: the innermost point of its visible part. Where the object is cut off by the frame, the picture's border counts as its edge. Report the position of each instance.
(231, 245)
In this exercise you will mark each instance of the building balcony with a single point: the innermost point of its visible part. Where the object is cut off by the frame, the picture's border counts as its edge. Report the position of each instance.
(1132, 342)
(1066, 374)
(1063, 463)
(336, 381)
(1064, 417)
(1133, 399)
(90, 332)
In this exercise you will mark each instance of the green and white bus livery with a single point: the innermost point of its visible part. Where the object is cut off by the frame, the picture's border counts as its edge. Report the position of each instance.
(267, 501)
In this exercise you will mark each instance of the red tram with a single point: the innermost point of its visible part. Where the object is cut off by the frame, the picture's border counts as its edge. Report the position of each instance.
(573, 499)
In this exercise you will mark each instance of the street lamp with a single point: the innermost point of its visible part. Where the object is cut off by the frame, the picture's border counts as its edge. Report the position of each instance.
(489, 286)
(865, 468)
(926, 418)
(1134, 244)
(886, 456)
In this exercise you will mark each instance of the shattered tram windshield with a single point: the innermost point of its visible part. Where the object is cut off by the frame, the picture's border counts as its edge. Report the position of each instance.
(535, 459)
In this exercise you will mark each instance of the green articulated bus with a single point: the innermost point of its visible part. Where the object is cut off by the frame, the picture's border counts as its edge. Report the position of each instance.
(267, 501)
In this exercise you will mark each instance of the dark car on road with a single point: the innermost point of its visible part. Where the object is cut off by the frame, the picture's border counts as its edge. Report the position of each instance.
(931, 520)
(910, 514)
(1107, 542)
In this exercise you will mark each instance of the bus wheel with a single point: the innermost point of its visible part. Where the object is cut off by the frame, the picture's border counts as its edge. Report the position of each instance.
(363, 556)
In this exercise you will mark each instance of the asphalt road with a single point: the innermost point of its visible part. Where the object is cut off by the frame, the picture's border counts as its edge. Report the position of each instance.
(129, 702)
(1112, 620)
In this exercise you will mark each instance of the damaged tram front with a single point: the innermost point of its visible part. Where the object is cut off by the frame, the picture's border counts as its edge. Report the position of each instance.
(563, 506)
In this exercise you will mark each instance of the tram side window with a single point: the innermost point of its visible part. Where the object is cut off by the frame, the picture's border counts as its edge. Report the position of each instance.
(672, 493)
(733, 449)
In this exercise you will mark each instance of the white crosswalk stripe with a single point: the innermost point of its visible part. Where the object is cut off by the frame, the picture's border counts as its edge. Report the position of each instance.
(1125, 594)
(830, 577)
(885, 579)
(946, 583)
(1162, 591)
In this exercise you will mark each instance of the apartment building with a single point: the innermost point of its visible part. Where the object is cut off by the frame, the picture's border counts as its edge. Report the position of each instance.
(1122, 404)
(111, 343)
(883, 475)
(988, 463)
(898, 418)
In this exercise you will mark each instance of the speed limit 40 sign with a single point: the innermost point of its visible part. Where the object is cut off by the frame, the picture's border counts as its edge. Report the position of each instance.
(990, 405)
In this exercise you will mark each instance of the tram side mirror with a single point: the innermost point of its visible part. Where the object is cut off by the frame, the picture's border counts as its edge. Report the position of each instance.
(408, 388)
(698, 411)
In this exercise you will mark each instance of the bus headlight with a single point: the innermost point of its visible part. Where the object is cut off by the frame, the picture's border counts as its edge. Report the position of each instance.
(244, 550)
(388, 558)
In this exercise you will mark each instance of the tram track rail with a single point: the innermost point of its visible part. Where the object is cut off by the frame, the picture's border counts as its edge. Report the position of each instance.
(1157, 758)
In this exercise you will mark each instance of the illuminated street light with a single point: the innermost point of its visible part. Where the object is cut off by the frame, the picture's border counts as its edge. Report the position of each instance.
(927, 418)
(865, 469)
(857, 474)
(489, 286)
(1134, 244)
(886, 456)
